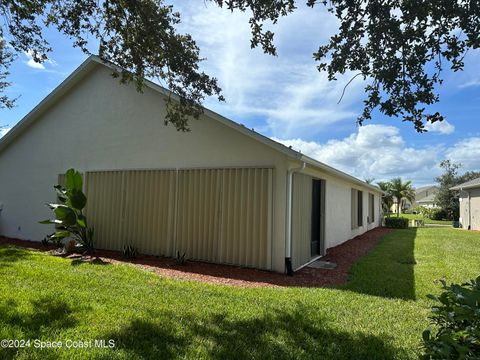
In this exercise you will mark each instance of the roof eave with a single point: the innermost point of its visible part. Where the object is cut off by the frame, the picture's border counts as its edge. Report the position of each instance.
(48, 101)
(339, 173)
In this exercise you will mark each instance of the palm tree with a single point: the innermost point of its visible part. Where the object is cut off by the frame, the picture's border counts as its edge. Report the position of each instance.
(402, 191)
(387, 198)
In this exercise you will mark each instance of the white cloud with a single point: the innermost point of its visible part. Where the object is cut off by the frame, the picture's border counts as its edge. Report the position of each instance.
(442, 127)
(466, 152)
(471, 83)
(287, 92)
(3, 131)
(35, 65)
(377, 151)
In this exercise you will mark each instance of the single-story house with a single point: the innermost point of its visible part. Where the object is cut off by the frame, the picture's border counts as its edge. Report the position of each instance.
(469, 197)
(425, 196)
(220, 193)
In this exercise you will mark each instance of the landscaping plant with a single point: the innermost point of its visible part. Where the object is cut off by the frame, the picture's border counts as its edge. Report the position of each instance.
(70, 221)
(456, 320)
(396, 222)
(129, 252)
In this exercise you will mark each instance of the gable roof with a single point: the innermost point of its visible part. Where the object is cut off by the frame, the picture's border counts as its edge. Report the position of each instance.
(472, 184)
(423, 188)
(427, 199)
(93, 61)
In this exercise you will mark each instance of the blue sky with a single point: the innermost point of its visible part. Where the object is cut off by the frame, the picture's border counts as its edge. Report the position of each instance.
(286, 98)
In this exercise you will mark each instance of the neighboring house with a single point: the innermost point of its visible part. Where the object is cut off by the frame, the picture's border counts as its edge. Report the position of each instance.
(425, 196)
(469, 197)
(404, 205)
(220, 193)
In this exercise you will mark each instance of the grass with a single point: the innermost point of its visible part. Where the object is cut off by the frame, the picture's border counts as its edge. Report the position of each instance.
(379, 314)
(425, 219)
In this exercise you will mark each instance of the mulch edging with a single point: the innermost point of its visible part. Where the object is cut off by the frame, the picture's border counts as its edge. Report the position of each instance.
(343, 255)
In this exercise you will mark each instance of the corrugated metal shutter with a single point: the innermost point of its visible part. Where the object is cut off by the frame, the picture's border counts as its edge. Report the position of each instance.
(198, 215)
(245, 227)
(217, 215)
(105, 194)
(148, 210)
(301, 219)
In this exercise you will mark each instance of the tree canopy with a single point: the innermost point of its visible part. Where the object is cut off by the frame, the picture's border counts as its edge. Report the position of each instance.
(445, 198)
(400, 191)
(399, 47)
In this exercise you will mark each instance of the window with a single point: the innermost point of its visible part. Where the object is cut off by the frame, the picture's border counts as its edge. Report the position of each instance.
(360, 208)
(357, 208)
(371, 208)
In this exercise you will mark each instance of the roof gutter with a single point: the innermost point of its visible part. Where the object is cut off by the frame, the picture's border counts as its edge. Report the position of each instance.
(339, 173)
(288, 230)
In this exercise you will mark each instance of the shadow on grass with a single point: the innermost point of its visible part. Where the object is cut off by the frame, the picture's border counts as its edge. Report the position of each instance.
(11, 254)
(387, 271)
(88, 260)
(279, 334)
(47, 316)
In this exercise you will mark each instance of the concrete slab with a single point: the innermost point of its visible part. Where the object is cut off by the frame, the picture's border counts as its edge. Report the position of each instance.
(320, 264)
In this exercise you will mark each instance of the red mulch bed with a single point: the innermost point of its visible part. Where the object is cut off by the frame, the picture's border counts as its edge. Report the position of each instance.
(343, 255)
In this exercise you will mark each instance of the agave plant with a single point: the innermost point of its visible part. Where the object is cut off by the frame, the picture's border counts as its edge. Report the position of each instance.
(70, 221)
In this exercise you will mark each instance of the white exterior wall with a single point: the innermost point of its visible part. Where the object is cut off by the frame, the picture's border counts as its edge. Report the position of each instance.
(337, 208)
(470, 209)
(102, 125)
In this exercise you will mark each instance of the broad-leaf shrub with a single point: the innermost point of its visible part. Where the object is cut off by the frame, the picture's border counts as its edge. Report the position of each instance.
(455, 331)
(70, 221)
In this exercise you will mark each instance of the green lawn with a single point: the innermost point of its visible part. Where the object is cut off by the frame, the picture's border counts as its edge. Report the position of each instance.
(426, 220)
(380, 314)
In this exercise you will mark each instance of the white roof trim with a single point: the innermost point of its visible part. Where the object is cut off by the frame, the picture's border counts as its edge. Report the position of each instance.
(92, 61)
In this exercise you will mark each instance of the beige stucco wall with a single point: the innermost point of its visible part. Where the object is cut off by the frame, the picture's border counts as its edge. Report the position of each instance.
(102, 125)
(470, 209)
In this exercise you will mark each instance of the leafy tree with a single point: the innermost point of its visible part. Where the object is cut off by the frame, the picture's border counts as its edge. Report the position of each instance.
(445, 198)
(387, 197)
(139, 36)
(469, 175)
(391, 45)
(401, 191)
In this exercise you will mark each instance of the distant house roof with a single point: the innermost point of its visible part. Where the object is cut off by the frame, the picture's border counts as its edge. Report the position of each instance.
(423, 188)
(472, 184)
(430, 199)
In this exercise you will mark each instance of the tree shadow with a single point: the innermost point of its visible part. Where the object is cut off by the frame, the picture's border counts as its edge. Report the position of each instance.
(49, 315)
(389, 269)
(278, 334)
(11, 254)
(89, 260)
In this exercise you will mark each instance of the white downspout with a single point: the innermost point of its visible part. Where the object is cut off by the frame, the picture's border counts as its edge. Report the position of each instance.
(288, 230)
(469, 211)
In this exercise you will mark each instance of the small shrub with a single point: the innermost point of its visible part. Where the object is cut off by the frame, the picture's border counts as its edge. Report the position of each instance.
(438, 214)
(180, 259)
(129, 252)
(455, 322)
(396, 222)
